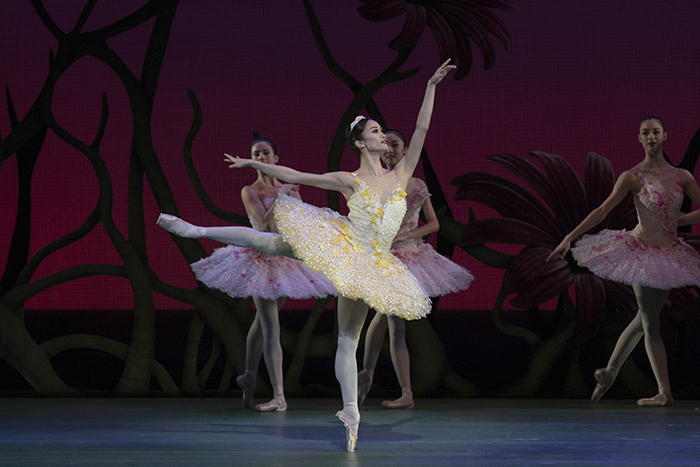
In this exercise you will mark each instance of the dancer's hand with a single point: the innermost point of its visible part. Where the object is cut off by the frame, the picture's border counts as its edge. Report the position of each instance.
(288, 189)
(236, 162)
(442, 72)
(400, 238)
(560, 251)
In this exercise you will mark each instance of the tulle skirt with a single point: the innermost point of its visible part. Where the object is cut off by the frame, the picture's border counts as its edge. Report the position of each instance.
(246, 272)
(619, 256)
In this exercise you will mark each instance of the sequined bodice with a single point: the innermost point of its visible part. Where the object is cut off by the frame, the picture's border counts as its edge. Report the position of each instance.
(267, 202)
(657, 213)
(373, 226)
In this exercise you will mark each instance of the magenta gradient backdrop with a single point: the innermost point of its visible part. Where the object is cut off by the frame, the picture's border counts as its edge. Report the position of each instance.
(578, 78)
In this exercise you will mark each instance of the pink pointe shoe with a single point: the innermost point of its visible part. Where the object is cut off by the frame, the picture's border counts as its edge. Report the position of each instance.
(350, 416)
(403, 402)
(604, 379)
(248, 389)
(177, 226)
(659, 400)
(272, 406)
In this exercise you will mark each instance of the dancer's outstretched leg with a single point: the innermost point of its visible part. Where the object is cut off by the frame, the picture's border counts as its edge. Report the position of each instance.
(401, 361)
(373, 346)
(268, 315)
(239, 236)
(351, 317)
(652, 302)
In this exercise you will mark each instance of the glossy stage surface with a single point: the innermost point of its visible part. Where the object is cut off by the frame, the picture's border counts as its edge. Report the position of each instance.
(443, 432)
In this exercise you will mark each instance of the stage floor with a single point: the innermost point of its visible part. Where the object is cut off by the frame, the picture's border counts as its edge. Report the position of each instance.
(444, 432)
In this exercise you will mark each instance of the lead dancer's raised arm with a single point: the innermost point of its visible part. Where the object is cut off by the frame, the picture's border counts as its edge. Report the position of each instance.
(405, 167)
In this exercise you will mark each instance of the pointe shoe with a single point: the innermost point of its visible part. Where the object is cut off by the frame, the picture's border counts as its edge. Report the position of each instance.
(403, 402)
(177, 226)
(272, 406)
(603, 382)
(349, 422)
(248, 391)
(364, 383)
(659, 400)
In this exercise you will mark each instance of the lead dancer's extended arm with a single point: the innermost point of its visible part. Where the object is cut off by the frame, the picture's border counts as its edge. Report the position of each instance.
(404, 169)
(336, 181)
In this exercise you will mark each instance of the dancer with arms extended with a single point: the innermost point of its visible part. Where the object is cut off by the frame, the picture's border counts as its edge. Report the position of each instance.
(269, 279)
(353, 252)
(436, 274)
(650, 258)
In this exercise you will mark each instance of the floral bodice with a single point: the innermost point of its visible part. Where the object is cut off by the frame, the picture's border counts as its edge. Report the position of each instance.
(267, 202)
(414, 203)
(657, 213)
(373, 226)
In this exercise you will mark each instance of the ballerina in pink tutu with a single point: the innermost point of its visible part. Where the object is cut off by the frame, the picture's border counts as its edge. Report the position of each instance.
(269, 279)
(436, 274)
(650, 258)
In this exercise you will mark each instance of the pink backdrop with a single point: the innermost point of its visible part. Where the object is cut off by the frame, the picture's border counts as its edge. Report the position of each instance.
(578, 78)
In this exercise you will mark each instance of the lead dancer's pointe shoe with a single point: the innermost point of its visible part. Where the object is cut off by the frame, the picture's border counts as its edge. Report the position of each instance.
(403, 402)
(364, 383)
(248, 389)
(272, 406)
(659, 400)
(350, 416)
(604, 379)
(177, 226)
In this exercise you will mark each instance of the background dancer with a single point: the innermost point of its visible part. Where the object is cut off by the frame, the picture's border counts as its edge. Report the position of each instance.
(650, 258)
(269, 279)
(436, 274)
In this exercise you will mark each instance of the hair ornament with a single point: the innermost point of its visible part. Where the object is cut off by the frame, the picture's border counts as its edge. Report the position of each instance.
(357, 120)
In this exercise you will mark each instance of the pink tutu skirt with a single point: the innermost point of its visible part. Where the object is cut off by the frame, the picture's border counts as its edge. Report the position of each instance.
(436, 274)
(620, 256)
(246, 272)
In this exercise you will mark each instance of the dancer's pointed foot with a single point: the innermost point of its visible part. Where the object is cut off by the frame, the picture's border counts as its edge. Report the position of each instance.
(364, 383)
(273, 406)
(659, 400)
(247, 385)
(403, 402)
(350, 416)
(179, 227)
(604, 379)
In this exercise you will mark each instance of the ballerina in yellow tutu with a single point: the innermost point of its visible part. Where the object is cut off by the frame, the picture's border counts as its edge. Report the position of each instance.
(353, 252)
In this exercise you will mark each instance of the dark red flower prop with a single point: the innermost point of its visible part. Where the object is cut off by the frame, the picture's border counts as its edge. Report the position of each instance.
(540, 227)
(453, 24)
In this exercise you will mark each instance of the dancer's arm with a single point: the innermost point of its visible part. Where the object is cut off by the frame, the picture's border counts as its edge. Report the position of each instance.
(431, 221)
(405, 167)
(255, 208)
(336, 181)
(627, 182)
(690, 187)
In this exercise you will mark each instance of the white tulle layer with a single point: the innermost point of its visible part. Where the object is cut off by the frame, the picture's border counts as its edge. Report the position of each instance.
(246, 272)
(619, 256)
(436, 274)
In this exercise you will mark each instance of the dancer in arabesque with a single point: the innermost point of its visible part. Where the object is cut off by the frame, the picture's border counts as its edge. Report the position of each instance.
(650, 258)
(436, 274)
(353, 252)
(269, 279)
